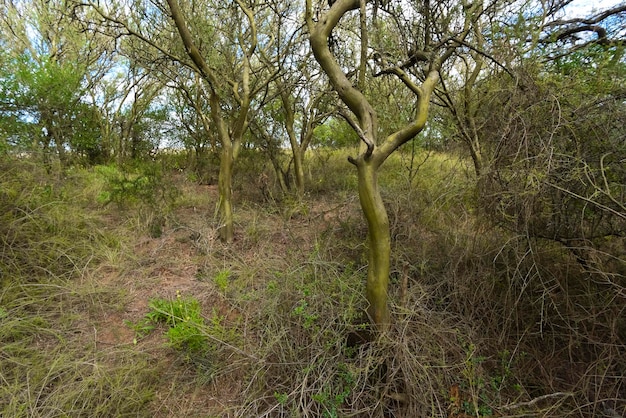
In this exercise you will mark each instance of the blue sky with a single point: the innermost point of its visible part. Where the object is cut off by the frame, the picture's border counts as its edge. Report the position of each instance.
(582, 8)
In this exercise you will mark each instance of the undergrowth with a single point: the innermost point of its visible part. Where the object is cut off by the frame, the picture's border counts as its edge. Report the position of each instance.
(140, 189)
(50, 364)
(486, 322)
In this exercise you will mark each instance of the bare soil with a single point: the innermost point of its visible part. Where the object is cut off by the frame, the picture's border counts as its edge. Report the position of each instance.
(184, 259)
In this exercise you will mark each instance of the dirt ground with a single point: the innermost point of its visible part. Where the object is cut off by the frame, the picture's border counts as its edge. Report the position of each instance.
(182, 261)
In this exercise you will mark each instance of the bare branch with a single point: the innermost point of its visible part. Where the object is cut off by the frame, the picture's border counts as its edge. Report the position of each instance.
(593, 20)
(588, 200)
(403, 76)
(138, 35)
(368, 142)
(484, 54)
(537, 399)
(568, 29)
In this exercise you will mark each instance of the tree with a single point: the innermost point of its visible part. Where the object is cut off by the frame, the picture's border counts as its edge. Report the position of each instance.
(544, 132)
(312, 113)
(190, 104)
(230, 137)
(304, 99)
(458, 93)
(301, 104)
(408, 41)
(126, 96)
(224, 50)
(500, 44)
(606, 26)
(51, 63)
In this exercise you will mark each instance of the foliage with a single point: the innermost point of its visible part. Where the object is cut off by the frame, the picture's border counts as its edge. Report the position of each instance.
(43, 99)
(335, 133)
(475, 316)
(125, 187)
(46, 73)
(506, 288)
(41, 231)
(141, 186)
(560, 174)
(187, 330)
(337, 393)
(221, 280)
(184, 321)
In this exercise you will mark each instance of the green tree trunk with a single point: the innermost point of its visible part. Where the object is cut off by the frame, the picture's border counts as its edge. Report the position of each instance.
(372, 152)
(298, 169)
(379, 242)
(296, 149)
(225, 180)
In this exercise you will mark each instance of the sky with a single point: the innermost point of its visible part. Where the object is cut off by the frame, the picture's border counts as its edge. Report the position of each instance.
(583, 8)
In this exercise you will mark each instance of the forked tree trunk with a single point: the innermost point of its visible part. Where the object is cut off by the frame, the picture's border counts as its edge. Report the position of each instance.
(372, 153)
(230, 141)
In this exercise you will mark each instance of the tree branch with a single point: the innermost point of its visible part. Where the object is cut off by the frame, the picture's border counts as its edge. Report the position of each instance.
(190, 47)
(367, 141)
(593, 20)
(320, 31)
(138, 35)
(571, 27)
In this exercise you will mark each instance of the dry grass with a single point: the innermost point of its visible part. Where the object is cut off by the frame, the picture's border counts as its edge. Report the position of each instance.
(485, 323)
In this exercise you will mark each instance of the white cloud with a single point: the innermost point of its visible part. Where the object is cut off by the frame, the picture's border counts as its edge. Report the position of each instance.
(585, 8)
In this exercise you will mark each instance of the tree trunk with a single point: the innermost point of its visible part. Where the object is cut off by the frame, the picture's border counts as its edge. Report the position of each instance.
(379, 241)
(477, 157)
(226, 228)
(281, 176)
(297, 150)
(372, 153)
(298, 170)
(61, 151)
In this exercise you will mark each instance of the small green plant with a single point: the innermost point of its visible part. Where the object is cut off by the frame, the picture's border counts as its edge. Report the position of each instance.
(221, 280)
(187, 336)
(272, 286)
(294, 207)
(130, 186)
(498, 382)
(302, 311)
(142, 328)
(182, 315)
(475, 384)
(193, 177)
(281, 398)
(216, 329)
(187, 329)
(332, 398)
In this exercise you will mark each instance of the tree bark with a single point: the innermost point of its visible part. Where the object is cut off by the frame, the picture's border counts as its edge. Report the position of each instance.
(379, 243)
(230, 141)
(225, 180)
(296, 149)
(372, 154)
(298, 169)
